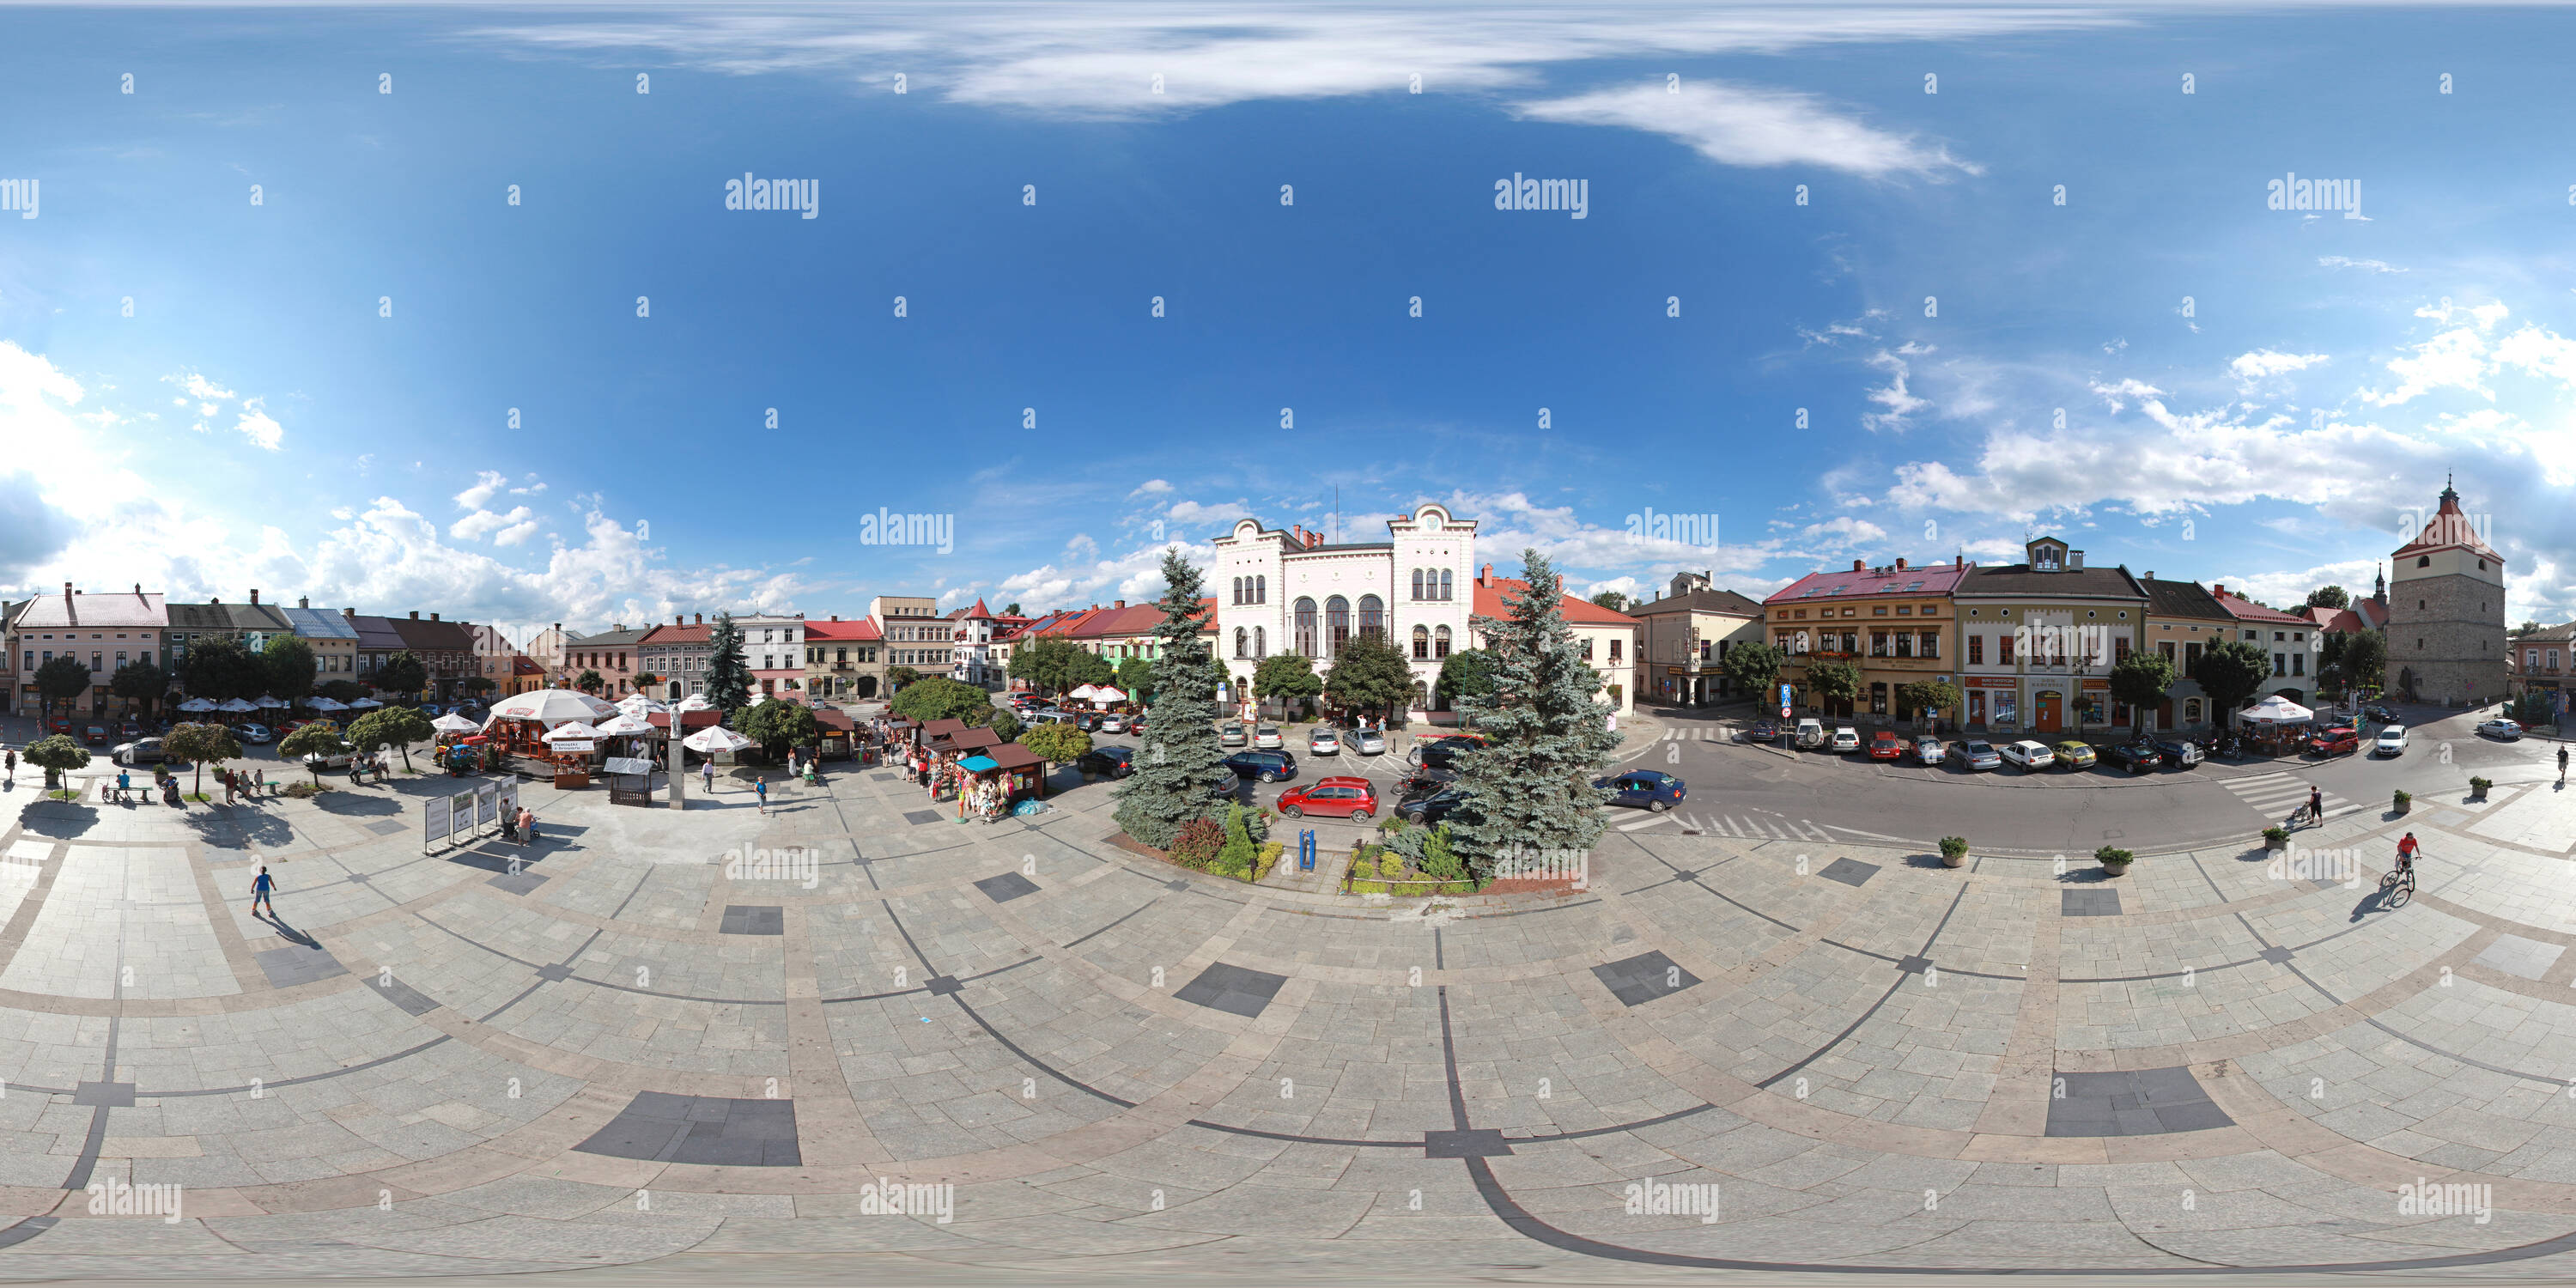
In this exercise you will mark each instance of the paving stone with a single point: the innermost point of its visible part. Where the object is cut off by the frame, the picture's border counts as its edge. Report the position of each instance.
(1232, 989)
(1644, 977)
(753, 919)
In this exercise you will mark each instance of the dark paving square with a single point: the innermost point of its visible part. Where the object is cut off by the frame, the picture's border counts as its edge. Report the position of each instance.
(554, 972)
(943, 985)
(2088, 902)
(412, 1000)
(762, 919)
(2276, 954)
(1006, 887)
(490, 859)
(1851, 872)
(884, 776)
(115, 1095)
(1232, 989)
(920, 816)
(522, 883)
(1472, 1142)
(1913, 965)
(1177, 883)
(290, 966)
(1643, 978)
(2136, 1102)
(707, 1130)
(384, 827)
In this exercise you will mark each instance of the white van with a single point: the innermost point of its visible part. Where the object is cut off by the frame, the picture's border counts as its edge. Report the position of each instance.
(1811, 734)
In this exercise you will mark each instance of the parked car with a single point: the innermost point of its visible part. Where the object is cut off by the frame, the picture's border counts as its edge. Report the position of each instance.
(1424, 778)
(95, 734)
(255, 734)
(2075, 755)
(1762, 731)
(2029, 754)
(1266, 738)
(1977, 753)
(1046, 715)
(2136, 757)
(130, 730)
(2181, 753)
(1321, 741)
(1426, 808)
(1927, 750)
(2336, 740)
(1811, 734)
(1230, 735)
(2392, 742)
(1444, 754)
(432, 710)
(140, 751)
(1106, 762)
(1885, 745)
(1846, 738)
(1365, 742)
(2381, 714)
(1451, 743)
(59, 724)
(1268, 766)
(2501, 730)
(320, 760)
(1351, 798)
(1652, 789)
(1113, 723)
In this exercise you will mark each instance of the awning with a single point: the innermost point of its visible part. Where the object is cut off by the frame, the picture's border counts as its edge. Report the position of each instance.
(979, 764)
(627, 765)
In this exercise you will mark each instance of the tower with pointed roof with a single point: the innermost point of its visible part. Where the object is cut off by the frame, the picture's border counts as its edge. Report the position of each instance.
(2446, 640)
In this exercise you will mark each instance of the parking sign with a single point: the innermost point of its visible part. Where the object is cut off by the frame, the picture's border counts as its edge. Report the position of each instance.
(1784, 702)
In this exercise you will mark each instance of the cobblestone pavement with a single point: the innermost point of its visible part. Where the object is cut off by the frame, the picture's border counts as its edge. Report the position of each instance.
(726, 1042)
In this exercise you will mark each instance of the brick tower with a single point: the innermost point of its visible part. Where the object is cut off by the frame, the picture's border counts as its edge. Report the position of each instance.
(2446, 612)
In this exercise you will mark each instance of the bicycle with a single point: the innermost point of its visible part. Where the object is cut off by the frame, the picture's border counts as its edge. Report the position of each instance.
(2398, 886)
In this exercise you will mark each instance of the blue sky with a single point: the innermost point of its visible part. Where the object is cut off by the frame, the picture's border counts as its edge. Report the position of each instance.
(256, 422)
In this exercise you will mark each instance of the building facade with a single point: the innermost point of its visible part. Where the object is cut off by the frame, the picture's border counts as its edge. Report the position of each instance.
(1891, 623)
(774, 646)
(915, 634)
(2039, 639)
(2290, 640)
(2446, 633)
(611, 652)
(1288, 591)
(841, 658)
(2183, 621)
(678, 654)
(333, 639)
(1606, 637)
(1684, 637)
(445, 650)
(102, 632)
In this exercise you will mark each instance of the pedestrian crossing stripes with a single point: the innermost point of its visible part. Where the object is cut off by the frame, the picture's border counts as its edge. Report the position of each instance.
(1744, 827)
(1697, 735)
(2275, 795)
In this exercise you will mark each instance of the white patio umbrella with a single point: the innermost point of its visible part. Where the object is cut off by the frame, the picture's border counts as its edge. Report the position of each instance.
(713, 739)
(364, 703)
(198, 704)
(236, 706)
(327, 704)
(551, 707)
(1085, 691)
(572, 731)
(1106, 694)
(2276, 710)
(626, 726)
(636, 704)
(267, 703)
(453, 724)
(696, 702)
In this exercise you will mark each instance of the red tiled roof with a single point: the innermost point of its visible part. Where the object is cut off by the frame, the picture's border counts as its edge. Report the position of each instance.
(2246, 610)
(677, 634)
(1935, 579)
(857, 628)
(2449, 529)
(1490, 593)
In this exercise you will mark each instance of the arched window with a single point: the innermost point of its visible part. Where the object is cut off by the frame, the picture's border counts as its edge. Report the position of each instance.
(2423, 561)
(1241, 642)
(1417, 583)
(1444, 583)
(2191, 711)
(1305, 611)
(1372, 616)
(1421, 636)
(1337, 623)
(1421, 696)
(1261, 590)
(1440, 642)
(1260, 644)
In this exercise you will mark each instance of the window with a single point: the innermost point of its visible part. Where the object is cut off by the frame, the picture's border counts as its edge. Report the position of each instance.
(2298, 664)
(1851, 642)
(1976, 650)
(1878, 697)
(95, 662)
(1440, 642)
(1905, 610)
(1337, 623)
(2280, 664)
(1421, 634)
(1372, 616)
(1878, 643)
(2190, 656)
(2423, 561)
(1879, 611)
(2004, 650)
(1444, 584)
(2166, 647)
(2191, 711)
(1587, 648)
(2119, 649)
(1905, 643)
(1242, 642)
(1417, 583)
(1260, 643)
(1614, 649)
(1305, 626)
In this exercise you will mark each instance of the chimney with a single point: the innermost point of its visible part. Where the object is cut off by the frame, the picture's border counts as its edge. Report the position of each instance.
(2151, 574)
(138, 590)
(67, 594)
(350, 613)
(702, 619)
(1900, 563)
(2218, 588)
(254, 596)
(1857, 565)
(836, 617)
(1117, 603)
(1489, 573)
(433, 617)
(2075, 559)
(415, 614)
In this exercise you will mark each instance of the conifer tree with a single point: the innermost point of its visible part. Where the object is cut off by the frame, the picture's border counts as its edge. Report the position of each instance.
(728, 672)
(1179, 770)
(1547, 735)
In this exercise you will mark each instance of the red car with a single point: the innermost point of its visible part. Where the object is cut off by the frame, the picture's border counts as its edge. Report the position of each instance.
(1885, 745)
(1350, 798)
(2334, 742)
(95, 734)
(59, 724)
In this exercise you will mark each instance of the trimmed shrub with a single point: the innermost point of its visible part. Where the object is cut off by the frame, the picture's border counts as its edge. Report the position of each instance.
(1197, 844)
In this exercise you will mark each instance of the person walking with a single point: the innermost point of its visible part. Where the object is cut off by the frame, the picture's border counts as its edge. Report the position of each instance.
(2562, 764)
(260, 887)
(258, 783)
(761, 787)
(707, 775)
(13, 762)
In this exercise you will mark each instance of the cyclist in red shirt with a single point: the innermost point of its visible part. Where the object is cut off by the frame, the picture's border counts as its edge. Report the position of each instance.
(2406, 852)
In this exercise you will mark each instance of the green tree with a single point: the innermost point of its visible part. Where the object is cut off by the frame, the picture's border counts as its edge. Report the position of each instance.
(1136, 678)
(140, 683)
(728, 672)
(1754, 667)
(1917, 696)
(1090, 668)
(61, 680)
(57, 756)
(1056, 744)
(320, 738)
(1547, 735)
(2142, 680)
(286, 668)
(940, 698)
(778, 725)
(477, 685)
(1012, 611)
(2231, 672)
(1467, 674)
(1369, 675)
(1612, 600)
(1044, 662)
(2364, 660)
(901, 676)
(999, 720)
(1239, 855)
(1179, 768)
(397, 727)
(1832, 682)
(342, 690)
(201, 745)
(590, 682)
(1286, 677)
(404, 672)
(2525, 629)
(2329, 597)
(2330, 647)
(220, 668)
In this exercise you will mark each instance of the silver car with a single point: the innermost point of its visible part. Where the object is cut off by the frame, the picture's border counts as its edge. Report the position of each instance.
(1266, 738)
(1365, 742)
(1979, 754)
(139, 751)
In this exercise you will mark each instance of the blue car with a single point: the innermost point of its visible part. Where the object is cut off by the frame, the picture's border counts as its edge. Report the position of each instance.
(1652, 788)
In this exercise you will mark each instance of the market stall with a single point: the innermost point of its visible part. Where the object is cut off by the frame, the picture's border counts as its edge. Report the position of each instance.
(1022, 774)
(2275, 724)
(839, 738)
(570, 750)
(519, 725)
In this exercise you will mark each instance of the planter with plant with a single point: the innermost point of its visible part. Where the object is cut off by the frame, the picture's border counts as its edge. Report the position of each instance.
(2115, 861)
(2478, 788)
(1954, 851)
(2276, 837)
(2402, 802)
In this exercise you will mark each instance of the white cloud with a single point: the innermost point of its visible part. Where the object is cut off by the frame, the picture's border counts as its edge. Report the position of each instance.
(1893, 399)
(2372, 265)
(487, 484)
(1743, 126)
(2271, 362)
(1844, 531)
(1212, 513)
(1151, 487)
(257, 426)
(480, 523)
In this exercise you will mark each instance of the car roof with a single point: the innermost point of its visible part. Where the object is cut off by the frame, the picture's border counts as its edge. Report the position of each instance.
(1342, 780)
